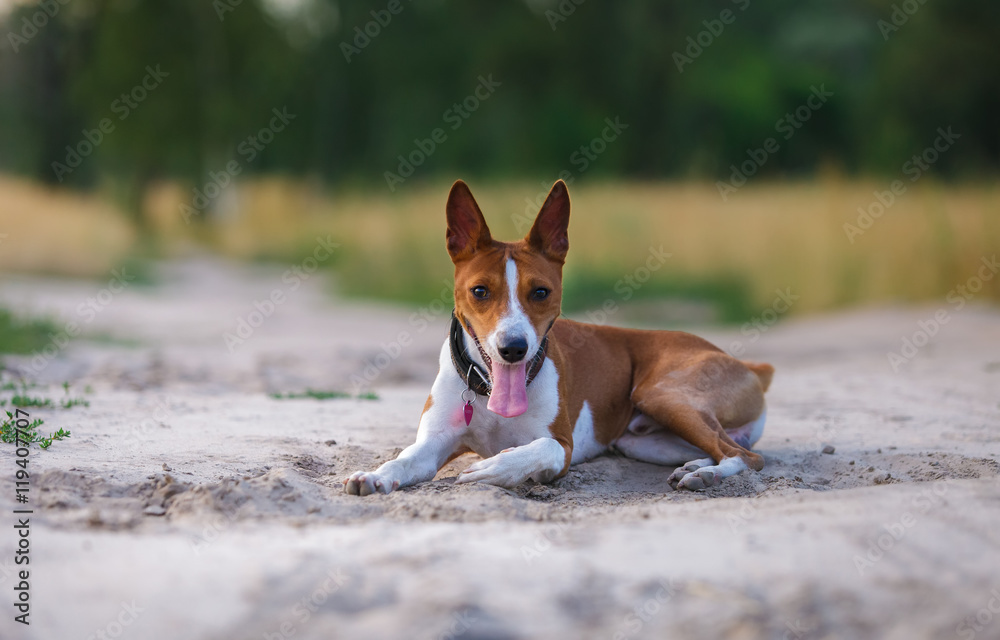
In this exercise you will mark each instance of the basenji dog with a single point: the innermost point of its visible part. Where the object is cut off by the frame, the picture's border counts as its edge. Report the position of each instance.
(533, 393)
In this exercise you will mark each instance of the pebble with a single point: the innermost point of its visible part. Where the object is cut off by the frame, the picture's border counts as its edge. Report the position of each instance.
(154, 510)
(829, 449)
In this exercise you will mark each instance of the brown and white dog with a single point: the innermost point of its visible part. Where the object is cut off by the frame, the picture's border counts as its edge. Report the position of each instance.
(533, 393)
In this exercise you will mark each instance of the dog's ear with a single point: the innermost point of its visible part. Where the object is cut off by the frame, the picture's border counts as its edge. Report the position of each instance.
(550, 234)
(467, 230)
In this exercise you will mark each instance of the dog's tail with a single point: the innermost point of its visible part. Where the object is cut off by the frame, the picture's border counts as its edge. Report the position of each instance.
(763, 371)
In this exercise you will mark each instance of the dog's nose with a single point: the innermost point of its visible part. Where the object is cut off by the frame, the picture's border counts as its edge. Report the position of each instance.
(514, 350)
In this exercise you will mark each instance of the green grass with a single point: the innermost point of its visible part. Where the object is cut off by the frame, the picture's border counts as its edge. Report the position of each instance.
(22, 400)
(322, 395)
(15, 386)
(24, 335)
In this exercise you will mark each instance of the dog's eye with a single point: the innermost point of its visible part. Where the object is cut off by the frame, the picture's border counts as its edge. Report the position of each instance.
(540, 293)
(480, 292)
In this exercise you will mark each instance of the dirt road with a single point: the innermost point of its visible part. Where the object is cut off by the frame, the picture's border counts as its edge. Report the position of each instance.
(190, 504)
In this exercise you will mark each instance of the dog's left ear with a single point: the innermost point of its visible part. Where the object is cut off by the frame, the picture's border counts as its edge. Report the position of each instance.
(550, 233)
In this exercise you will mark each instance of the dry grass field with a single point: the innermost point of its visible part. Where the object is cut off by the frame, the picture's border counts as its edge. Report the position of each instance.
(732, 253)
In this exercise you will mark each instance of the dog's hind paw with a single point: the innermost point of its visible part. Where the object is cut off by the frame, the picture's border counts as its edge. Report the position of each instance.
(689, 471)
(699, 480)
(702, 474)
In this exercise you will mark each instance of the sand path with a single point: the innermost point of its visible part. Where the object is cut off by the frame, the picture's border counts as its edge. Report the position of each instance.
(190, 504)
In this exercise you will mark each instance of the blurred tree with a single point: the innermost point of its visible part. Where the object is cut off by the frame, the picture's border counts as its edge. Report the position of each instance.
(367, 81)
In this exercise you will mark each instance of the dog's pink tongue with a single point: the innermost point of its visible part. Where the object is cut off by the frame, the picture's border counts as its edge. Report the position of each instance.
(509, 396)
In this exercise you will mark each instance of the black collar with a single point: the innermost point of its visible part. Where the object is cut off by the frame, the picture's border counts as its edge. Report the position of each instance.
(472, 375)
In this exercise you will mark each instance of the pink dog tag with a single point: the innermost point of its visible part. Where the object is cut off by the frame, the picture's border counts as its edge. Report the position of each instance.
(469, 400)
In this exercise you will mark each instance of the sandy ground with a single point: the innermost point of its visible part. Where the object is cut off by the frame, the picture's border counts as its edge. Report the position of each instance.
(190, 504)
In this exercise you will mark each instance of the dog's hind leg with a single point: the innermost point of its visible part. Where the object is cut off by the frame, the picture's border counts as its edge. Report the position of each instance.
(658, 447)
(700, 428)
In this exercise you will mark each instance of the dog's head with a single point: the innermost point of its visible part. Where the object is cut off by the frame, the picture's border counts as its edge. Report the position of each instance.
(508, 294)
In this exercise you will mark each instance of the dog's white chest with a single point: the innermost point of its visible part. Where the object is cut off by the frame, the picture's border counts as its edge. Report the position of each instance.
(488, 433)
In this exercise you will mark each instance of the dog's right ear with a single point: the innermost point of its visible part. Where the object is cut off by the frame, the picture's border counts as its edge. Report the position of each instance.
(467, 230)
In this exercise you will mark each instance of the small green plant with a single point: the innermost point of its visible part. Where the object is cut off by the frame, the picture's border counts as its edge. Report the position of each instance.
(60, 433)
(30, 433)
(68, 402)
(322, 395)
(21, 398)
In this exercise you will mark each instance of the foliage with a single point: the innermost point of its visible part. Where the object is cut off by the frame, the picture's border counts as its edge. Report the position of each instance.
(559, 80)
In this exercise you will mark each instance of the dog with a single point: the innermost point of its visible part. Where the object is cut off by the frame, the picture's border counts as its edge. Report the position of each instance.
(533, 393)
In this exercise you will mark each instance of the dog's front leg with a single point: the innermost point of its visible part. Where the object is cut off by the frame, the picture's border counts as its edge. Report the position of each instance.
(437, 439)
(541, 460)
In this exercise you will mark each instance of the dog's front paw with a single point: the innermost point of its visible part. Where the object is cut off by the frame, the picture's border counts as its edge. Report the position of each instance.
(497, 471)
(362, 484)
